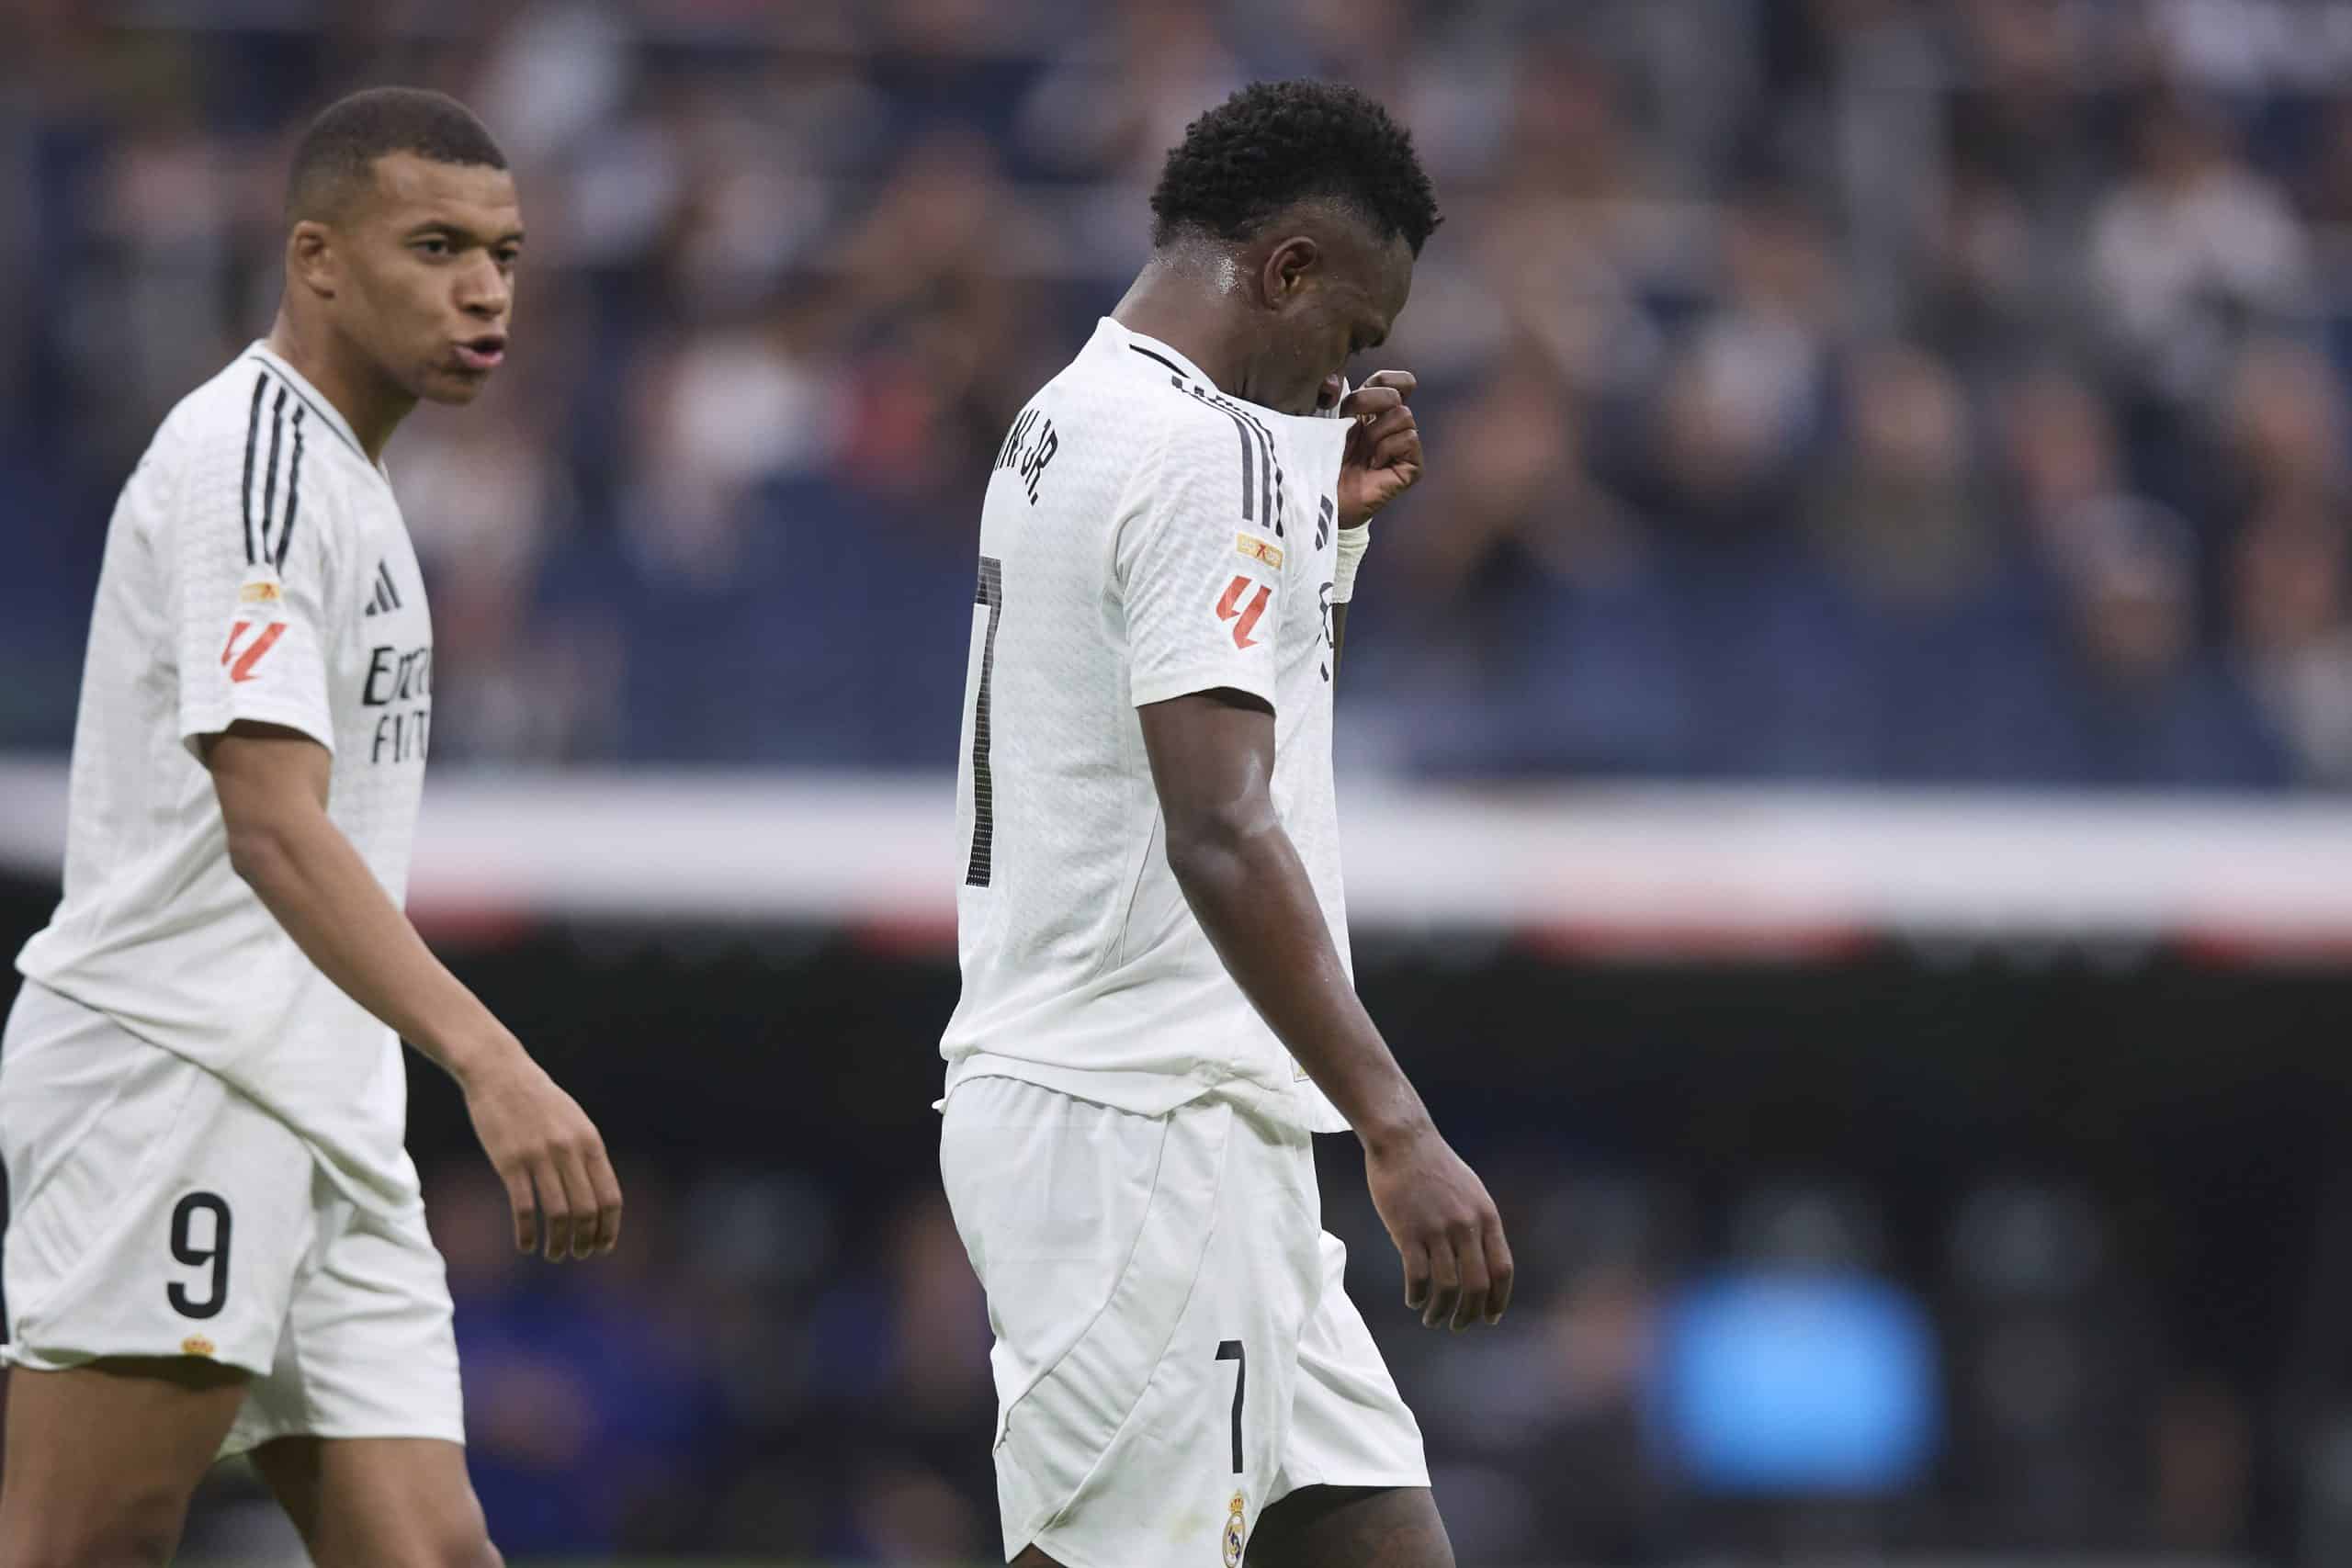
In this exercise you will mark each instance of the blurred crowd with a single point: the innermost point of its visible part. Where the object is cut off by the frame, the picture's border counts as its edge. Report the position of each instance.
(1828, 388)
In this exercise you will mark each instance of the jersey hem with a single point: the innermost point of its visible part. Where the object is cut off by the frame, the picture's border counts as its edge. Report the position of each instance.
(1137, 1094)
(1152, 1094)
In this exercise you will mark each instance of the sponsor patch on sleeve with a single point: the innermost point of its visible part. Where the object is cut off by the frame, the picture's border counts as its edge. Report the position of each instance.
(1259, 549)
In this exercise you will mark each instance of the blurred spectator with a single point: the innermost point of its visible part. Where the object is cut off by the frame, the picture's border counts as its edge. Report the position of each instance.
(2049, 1357)
(2190, 251)
(1120, 95)
(1898, 518)
(1540, 595)
(2294, 637)
(2284, 429)
(588, 1409)
(2150, 708)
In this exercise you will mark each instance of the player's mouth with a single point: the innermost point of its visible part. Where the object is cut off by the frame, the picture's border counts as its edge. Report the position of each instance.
(482, 354)
(1328, 396)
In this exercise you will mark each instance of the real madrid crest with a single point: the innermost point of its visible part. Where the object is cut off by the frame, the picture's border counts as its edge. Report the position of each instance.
(1235, 1533)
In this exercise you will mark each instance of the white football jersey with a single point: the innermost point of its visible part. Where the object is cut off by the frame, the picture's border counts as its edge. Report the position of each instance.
(1144, 536)
(256, 567)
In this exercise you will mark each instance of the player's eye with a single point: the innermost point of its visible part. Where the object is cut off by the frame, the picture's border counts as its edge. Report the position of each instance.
(433, 245)
(508, 255)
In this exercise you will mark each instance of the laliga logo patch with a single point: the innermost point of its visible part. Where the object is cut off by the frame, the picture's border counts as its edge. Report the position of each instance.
(1229, 608)
(243, 670)
(1234, 1534)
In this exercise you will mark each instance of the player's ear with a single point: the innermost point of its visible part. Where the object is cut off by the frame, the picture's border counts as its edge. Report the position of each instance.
(1288, 266)
(310, 259)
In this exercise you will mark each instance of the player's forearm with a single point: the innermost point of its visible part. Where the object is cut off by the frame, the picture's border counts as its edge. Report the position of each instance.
(1252, 895)
(317, 886)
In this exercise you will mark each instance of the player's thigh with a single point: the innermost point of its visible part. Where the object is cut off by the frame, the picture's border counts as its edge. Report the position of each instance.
(101, 1459)
(369, 1348)
(1146, 1279)
(153, 1211)
(1349, 1426)
(379, 1502)
(1347, 1526)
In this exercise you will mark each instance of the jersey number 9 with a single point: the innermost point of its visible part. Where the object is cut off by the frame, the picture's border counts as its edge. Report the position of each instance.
(186, 1251)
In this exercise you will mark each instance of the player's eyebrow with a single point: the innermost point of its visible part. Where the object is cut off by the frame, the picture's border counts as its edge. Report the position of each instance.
(459, 233)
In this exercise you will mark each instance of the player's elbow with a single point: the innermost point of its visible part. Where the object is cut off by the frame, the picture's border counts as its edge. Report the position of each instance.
(260, 851)
(1211, 846)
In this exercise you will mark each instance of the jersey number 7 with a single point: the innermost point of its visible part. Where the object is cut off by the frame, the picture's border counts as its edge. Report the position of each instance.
(990, 593)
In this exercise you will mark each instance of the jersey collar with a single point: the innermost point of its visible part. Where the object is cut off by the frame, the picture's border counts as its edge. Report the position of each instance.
(1136, 348)
(1134, 344)
(321, 408)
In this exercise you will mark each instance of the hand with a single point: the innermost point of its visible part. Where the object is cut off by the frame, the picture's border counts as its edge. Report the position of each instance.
(1457, 1265)
(550, 1157)
(1383, 453)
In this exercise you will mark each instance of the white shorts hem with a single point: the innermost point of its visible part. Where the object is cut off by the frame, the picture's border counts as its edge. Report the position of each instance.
(244, 1442)
(67, 1360)
(1053, 1546)
(1358, 1483)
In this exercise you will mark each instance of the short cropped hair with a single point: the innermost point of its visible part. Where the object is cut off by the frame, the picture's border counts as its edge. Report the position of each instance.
(337, 154)
(1274, 143)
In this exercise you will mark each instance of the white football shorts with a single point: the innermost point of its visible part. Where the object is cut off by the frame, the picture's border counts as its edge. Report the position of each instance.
(154, 1210)
(1175, 1350)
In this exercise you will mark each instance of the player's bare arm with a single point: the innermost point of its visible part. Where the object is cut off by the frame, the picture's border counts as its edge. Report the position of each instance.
(1212, 761)
(1383, 461)
(272, 786)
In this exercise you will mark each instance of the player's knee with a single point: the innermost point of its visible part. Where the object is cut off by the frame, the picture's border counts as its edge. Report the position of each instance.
(88, 1554)
(454, 1545)
(460, 1550)
(457, 1550)
(134, 1538)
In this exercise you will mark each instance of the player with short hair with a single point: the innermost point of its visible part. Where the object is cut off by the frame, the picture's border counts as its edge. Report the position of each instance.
(216, 1241)
(1158, 1008)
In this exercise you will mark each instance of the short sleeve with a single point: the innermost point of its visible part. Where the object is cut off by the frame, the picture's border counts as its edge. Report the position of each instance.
(1198, 570)
(245, 551)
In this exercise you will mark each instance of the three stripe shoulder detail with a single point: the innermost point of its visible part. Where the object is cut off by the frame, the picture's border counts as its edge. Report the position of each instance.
(281, 455)
(1262, 481)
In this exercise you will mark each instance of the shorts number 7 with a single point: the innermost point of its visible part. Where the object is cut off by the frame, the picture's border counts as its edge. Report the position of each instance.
(1230, 1350)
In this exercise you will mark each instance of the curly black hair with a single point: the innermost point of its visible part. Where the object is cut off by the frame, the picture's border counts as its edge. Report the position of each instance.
(1276, 143)
(340, 148)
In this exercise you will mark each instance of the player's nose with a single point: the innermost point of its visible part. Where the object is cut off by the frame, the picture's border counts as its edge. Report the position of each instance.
(484, 293)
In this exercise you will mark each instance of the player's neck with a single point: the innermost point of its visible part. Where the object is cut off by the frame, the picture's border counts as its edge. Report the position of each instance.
(369, 402)
(1169, 304)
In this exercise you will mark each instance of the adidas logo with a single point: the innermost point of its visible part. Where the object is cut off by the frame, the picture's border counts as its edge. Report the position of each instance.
(386, 596)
